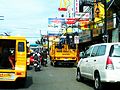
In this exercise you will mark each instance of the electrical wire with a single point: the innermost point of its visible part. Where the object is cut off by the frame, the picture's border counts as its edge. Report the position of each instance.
(110, 5)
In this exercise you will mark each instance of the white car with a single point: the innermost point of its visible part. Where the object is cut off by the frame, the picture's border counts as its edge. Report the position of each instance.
(101, 63)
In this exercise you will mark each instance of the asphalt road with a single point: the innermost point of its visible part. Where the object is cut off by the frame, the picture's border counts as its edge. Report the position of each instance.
(52, 78)
(56, 78)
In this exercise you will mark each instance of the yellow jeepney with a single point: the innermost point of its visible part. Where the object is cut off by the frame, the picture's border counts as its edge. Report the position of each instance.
(16, 45)
(63, 53)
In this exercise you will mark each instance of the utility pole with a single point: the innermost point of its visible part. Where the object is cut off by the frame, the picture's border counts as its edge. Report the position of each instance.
(48, 41)
(106, 37)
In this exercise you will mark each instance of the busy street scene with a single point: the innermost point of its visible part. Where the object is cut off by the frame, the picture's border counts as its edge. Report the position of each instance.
(59, 44)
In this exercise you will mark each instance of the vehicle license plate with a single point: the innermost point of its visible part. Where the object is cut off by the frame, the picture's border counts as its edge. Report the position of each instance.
(5, 75)
(65, 59)
(35, 64)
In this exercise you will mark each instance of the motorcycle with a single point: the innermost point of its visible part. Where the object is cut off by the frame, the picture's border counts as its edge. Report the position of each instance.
(44, 58)
(37, 65)
(44, 62)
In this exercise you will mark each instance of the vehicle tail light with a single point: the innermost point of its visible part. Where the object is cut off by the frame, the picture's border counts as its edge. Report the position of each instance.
(73, 58)
(109, 64)
(19, 73)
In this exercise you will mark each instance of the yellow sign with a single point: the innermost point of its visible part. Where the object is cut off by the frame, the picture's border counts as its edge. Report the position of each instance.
(63, 3)
(84, 24)
(98, 11)
(69, 30)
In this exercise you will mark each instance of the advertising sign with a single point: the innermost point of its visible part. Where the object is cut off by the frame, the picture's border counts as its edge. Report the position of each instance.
(98, 11)
(55, 22)
(82, 15)
(110, 20)
(76, 39)
(84, 24)
(85, 36)
(76, 6)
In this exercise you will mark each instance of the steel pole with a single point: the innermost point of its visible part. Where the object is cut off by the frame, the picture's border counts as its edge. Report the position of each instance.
(105, 22)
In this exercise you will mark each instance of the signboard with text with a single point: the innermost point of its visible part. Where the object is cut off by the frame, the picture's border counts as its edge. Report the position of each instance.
(76, 39)
(55, 22)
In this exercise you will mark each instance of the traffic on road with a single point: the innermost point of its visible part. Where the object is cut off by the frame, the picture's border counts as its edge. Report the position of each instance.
(60, 44)
(62, 77)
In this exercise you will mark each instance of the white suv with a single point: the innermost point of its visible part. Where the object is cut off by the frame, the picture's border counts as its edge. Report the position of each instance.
(101, 63)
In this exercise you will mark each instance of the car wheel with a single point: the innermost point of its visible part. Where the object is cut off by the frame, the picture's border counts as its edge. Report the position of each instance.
(98, 84)
(78, 76)
(21, 82)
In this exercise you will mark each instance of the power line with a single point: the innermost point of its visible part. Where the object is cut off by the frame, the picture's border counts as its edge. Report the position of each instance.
(32, 37)
(110, 5)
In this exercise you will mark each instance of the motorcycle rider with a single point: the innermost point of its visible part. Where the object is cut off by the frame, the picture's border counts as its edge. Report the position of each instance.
(44, 59)
(35, 56)
(37, 59)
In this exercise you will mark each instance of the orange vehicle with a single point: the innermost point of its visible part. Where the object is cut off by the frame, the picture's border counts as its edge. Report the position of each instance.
(63, 52)
(16, 45)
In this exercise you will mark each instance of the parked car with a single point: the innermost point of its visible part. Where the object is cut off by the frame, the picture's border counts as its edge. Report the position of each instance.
(101, 63)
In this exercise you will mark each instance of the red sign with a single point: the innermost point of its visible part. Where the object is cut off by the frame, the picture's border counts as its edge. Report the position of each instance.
(84, 24)
(62, 9)
(71, 20)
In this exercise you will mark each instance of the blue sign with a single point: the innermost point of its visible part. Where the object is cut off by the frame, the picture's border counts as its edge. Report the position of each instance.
(55, 20)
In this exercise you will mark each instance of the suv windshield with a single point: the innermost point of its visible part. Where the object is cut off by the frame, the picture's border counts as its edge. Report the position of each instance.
(115, 50)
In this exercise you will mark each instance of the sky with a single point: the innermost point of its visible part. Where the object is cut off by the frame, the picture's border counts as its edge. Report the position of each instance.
(27, 18)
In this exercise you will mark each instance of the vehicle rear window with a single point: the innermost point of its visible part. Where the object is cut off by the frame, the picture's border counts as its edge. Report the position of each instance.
(21, 46)
(115, 50)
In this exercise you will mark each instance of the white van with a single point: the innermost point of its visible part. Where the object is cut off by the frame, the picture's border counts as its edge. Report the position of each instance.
(101, 63)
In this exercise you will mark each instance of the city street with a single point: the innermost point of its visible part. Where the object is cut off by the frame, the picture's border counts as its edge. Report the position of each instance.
(53, 78)
(85, 33)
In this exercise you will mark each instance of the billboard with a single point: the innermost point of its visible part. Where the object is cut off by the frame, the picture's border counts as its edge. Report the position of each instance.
(76, 6)
(85, 36)
(98, 11)
(82, 15)
(84, 24)
(55, 22)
